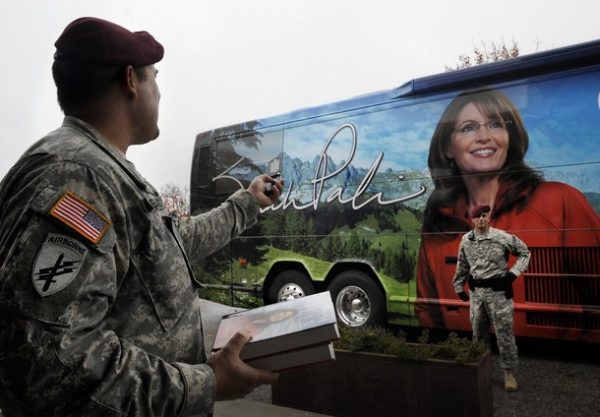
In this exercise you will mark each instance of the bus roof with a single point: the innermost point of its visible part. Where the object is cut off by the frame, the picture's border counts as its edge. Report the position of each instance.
(554, 60)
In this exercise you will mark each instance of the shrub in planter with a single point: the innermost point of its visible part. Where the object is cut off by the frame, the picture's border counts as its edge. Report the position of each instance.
(383, 341)
(381, 374)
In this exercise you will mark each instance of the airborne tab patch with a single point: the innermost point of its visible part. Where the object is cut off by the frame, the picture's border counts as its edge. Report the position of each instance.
(57, 263)
(81, 217)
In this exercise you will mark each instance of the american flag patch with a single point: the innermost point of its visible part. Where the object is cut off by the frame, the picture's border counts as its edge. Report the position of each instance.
(80, 216)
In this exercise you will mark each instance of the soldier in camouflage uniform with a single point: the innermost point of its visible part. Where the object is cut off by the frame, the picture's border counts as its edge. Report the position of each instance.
(482, 261)
(98, 309)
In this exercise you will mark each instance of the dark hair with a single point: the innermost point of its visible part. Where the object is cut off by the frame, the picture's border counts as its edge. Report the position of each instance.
(80, 82)
(447, 179)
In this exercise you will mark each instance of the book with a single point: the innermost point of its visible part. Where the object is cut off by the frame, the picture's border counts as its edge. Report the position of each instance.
(211, 314)
(295, 358)
(286, 326)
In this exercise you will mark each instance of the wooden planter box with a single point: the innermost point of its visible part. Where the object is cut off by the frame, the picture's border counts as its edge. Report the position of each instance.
(365, 384)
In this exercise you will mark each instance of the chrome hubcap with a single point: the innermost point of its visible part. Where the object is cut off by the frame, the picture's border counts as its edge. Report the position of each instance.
(290, 291)
(352, 306)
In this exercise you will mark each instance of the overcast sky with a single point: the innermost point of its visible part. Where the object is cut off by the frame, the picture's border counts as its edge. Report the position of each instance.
(228, 61)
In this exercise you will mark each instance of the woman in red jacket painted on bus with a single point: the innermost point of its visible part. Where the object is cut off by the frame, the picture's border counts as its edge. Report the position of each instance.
(476, 157)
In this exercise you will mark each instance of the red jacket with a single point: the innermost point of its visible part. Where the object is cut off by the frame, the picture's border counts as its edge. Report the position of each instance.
(555, 216)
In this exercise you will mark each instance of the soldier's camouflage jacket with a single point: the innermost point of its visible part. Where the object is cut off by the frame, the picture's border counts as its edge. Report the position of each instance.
(486, 256)
(98, 312)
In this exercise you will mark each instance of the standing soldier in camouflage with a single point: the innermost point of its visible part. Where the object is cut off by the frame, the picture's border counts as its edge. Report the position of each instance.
(98, 310)
(482, 261)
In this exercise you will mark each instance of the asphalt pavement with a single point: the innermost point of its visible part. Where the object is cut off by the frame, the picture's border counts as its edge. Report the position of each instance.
(555, 379)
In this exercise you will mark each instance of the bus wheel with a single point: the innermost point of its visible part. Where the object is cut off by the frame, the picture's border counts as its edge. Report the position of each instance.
(289, 285)
(357, 299)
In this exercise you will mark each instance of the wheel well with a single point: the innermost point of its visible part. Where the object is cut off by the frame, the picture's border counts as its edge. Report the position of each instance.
(279, 267)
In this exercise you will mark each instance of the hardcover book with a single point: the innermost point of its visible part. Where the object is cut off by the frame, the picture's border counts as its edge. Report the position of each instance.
(295, 358)
(287, 326)
(212, 313)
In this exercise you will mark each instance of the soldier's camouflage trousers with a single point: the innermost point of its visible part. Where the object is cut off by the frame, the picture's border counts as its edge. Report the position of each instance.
(492, 307)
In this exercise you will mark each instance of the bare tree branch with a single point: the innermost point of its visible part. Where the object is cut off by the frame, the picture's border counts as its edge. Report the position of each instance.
(483, 54)
(176, 200)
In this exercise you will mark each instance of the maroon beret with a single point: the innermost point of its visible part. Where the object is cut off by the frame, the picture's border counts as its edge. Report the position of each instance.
(477, 210)
(96, 40)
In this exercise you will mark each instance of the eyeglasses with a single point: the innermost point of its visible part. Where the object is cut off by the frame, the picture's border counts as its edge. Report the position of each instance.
(471, 129)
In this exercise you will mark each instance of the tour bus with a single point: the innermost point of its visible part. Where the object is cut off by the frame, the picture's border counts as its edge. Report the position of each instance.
(378, 190)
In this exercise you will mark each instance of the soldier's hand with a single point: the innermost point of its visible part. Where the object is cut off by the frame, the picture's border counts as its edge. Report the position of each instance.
(463, 296)
(509, 277)
(234, 378)
(265, 189)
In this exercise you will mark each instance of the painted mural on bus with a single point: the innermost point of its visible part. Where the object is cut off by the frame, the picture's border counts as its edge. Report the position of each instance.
(378, 190)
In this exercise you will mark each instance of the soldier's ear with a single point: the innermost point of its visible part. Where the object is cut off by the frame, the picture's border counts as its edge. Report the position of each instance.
(130, 82)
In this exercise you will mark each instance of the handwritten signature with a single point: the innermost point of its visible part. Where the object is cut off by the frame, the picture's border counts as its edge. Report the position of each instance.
(321, 176)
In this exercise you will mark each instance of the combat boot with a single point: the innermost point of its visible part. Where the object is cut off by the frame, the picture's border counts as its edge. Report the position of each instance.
(510, 382)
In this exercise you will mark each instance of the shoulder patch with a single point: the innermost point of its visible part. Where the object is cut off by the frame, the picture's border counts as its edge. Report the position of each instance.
(57, 263)
(81, 217)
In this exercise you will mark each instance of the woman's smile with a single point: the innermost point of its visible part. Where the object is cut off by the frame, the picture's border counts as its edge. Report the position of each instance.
(483, 152)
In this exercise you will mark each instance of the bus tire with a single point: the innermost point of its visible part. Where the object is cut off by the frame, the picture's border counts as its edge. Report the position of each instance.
(289, 285)
(357, 299)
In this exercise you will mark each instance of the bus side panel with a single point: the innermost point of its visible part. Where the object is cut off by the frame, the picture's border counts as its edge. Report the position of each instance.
(359, 187)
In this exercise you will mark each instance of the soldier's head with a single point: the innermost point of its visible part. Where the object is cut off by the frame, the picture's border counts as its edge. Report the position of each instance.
(93, 56)
(480, 216)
